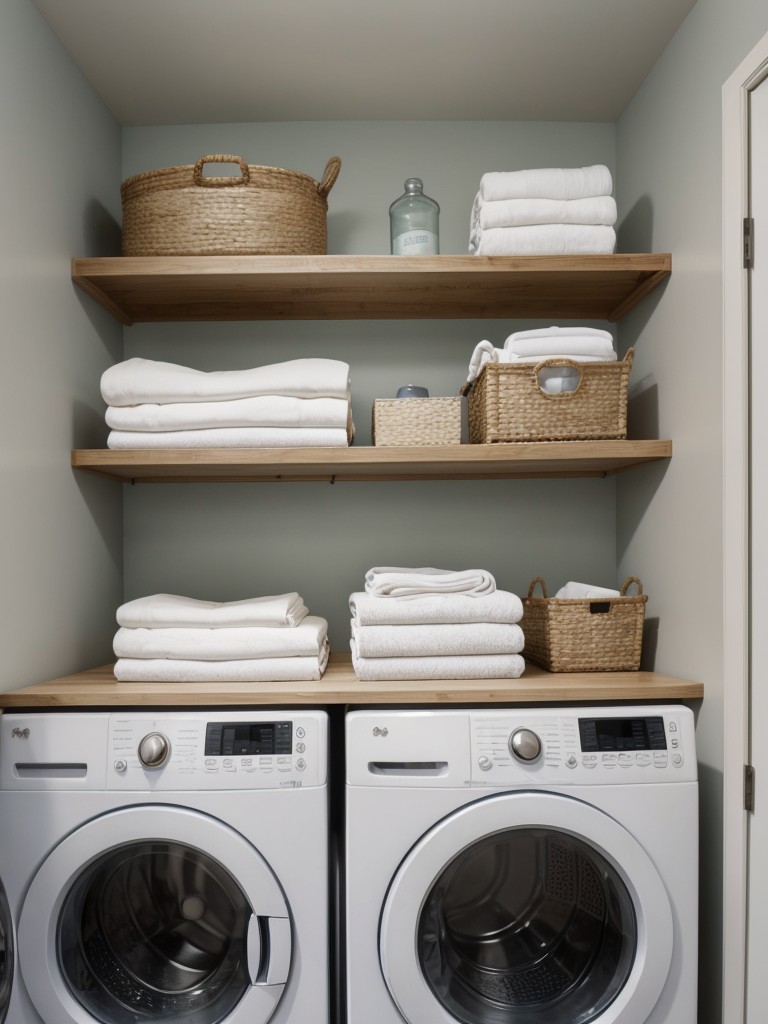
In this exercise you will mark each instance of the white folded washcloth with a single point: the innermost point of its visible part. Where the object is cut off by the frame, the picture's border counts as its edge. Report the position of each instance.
(500, 606)
(232, 437)
(239, 643)
(476, 666)
(545, 240)
(261, 670)
(561, 332)
(169, 611)
(394, 582)
(509, 213)
(141, 381)
(584, 590)
(437, 640)
(484, 352)
(260, 411)
(547, 183)
(588, 342)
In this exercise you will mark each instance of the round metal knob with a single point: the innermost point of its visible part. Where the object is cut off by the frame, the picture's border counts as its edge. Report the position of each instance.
(525, 745)
(154, 750)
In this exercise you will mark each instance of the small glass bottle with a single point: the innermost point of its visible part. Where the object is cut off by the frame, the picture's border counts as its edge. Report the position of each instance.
(413, 222)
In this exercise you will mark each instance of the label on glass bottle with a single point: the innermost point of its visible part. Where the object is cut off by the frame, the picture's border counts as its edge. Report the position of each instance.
(415, 243)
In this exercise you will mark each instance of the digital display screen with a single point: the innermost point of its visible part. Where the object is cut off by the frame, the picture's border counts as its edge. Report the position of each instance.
(605, 734)
(231, 739)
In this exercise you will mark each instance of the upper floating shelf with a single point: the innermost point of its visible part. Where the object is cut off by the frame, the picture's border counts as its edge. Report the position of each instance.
(144, 289)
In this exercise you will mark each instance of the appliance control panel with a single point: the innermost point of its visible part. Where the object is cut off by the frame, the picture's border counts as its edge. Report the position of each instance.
(618, 744)
(217, 750)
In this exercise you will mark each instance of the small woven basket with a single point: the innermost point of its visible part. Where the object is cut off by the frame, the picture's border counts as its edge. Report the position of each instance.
(584, 634)
(416, 421)
(507, 403)
(263, 211)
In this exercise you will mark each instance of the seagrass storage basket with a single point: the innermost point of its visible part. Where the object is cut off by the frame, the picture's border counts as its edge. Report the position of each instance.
(263, 211)
(584, 634)
(416, 421)
(508, 403)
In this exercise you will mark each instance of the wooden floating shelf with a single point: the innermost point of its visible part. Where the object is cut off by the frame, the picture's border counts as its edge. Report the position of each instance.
(98, 688)
(428, 462)
(138, 289)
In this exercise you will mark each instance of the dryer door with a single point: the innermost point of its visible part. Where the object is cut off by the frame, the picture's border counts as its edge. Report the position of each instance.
(526, 908)
(6, 954)
(154, 913)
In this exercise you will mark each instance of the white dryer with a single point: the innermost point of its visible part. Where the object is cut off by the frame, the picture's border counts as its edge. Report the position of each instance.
(531, 866)
(165, 867)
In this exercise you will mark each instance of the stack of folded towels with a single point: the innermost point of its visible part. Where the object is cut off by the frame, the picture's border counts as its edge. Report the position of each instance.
(435, 624)
(576, 344)
(168, 638)
(551, 211)
(298, 403)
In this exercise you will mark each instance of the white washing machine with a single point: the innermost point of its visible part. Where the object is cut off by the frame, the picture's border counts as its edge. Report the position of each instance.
(531, 866)
(165, 867)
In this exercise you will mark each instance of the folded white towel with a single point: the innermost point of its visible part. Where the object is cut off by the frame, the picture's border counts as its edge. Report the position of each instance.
(261, 411)
(437, 640)
(547, 183)
(509, 213)
(223, 643)
(586, 342)
(168, 611)
(261, 670)
(393, 582)
(500, 606)
(476, 666)
(545, 240)
(584, 590)
(140, 381)
(232, 437)
(562, 332)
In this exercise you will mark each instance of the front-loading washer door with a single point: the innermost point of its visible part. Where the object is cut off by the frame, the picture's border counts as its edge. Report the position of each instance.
(526, 908)
(154, 914)
(6, 954)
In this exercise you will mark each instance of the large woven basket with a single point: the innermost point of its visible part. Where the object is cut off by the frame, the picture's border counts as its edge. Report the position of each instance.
(263, 211)
(584, 634)
(415, 421)
(507, 403)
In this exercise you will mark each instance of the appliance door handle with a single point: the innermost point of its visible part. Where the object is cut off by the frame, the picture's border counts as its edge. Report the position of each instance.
(269, 949)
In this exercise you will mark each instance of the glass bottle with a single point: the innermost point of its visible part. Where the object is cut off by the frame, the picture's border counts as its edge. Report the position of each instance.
(413, 222)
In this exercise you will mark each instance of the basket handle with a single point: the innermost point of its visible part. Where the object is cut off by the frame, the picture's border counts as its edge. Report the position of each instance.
(557, 361)
(628, 583)
(330, 174)
(534, 581)
(225, 181)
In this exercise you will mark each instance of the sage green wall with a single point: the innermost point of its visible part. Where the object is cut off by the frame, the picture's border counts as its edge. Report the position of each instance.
(669, 153)
(61, 534)
(232, 541)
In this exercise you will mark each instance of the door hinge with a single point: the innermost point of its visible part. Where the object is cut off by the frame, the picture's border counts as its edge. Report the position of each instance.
(749, 788)
(749, 243)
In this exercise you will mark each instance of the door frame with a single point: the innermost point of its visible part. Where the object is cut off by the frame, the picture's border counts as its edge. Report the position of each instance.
(736, 557)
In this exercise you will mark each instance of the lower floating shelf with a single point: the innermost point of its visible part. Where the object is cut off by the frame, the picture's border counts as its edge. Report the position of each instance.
(425, 462)
(98, 688)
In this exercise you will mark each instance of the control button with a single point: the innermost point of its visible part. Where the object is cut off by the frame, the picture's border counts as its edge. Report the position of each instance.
(610, 759)
(228, 764)
(301, 764)
(301, 732)
(484, 764)
(677, 760)
(672, 726)
(300, 748)
(211, 764)
(120, 765)
(626, 760)
(589, 763)
(571, 761)
(246, 762)
(525, 745)
(674, 744)
(643, 760)
(283, 764)
(154, 750)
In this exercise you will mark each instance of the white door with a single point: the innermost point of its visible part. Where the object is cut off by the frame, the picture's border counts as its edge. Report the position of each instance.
(154, 913)
(757, 899)
(528, 906)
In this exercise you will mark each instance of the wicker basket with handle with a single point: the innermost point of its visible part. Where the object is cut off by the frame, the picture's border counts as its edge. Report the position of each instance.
(507, 402)
(263, 211)
(584, 634)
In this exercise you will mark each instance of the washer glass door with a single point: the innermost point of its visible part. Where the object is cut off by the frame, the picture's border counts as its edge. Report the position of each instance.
(526, 908)
(6, 954)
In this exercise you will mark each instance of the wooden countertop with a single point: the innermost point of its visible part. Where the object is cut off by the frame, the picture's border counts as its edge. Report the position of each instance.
(98, 687)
